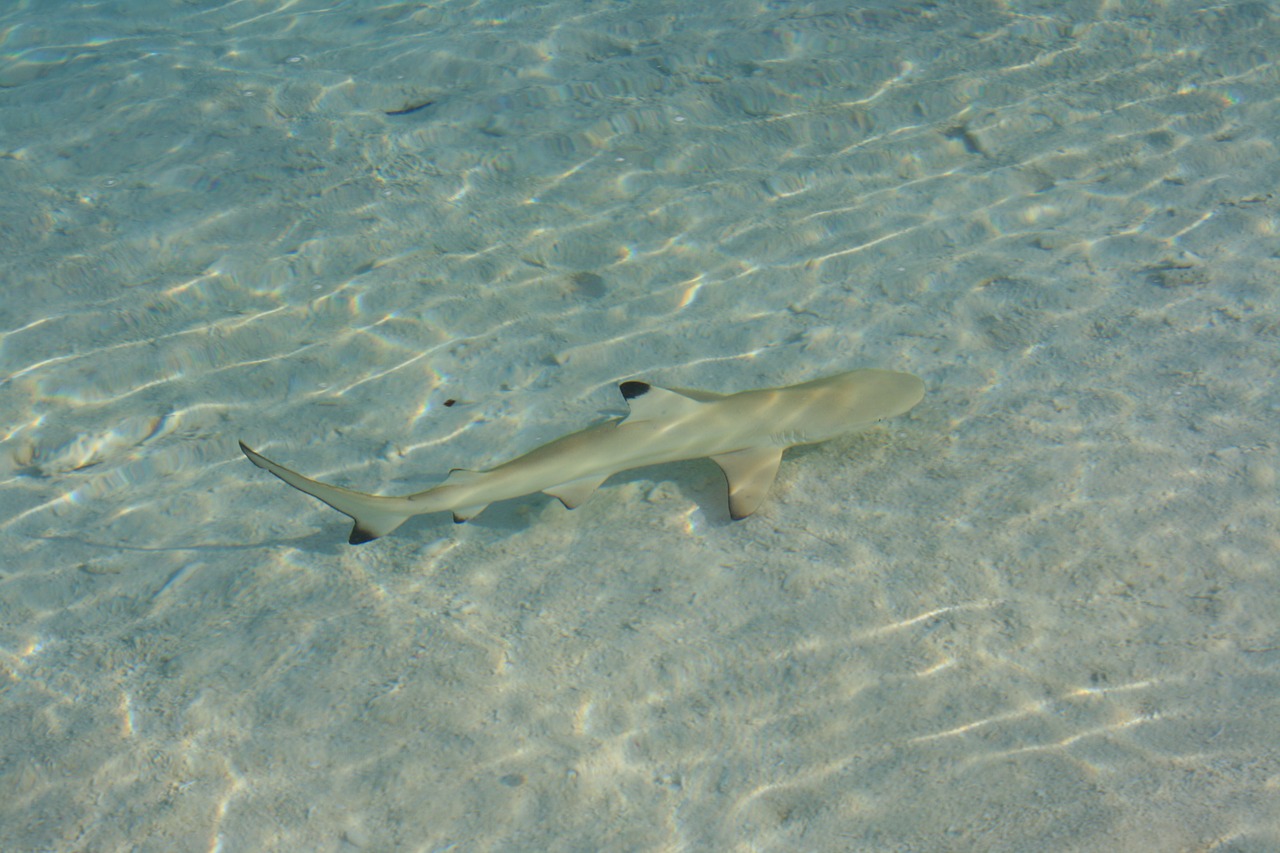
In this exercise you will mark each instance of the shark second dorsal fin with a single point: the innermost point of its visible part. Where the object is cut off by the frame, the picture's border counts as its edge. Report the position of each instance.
(464, 477)
(750, 473)
(651, 403)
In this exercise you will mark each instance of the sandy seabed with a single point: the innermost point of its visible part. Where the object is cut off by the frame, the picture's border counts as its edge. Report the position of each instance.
(381, 241)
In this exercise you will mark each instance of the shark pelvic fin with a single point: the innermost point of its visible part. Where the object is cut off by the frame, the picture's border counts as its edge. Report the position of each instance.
(574, 493)
(750, 473)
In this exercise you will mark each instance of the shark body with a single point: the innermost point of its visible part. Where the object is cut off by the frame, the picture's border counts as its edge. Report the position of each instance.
(744, 433)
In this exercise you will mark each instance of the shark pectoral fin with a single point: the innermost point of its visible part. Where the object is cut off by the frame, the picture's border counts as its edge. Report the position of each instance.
(651, 403)
(575, 492)
(750, 473)
(374, 516)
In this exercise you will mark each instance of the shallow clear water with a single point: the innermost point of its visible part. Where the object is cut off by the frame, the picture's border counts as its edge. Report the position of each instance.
(381, 241)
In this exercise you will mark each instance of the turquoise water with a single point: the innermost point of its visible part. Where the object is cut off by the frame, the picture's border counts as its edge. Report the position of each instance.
(380, 241)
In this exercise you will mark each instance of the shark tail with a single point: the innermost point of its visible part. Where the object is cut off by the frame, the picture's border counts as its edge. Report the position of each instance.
(374, 515)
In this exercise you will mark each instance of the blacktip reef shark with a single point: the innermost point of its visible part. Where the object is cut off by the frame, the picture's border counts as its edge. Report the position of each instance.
(745, 434)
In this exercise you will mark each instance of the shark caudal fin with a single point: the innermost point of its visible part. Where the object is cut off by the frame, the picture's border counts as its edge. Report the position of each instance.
(374, 516)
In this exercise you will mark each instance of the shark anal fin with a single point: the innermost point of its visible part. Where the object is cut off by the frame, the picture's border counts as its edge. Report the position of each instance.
(464, 477)
(575, 492)
(467, 513)
(750, 473)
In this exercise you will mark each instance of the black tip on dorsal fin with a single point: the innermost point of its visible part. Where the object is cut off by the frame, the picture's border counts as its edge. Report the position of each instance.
(631, 390)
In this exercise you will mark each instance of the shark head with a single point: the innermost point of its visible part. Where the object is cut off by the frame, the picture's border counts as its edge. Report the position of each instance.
(846, 403)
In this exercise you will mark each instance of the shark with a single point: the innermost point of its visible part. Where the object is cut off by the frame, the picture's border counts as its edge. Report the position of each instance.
(744, 433)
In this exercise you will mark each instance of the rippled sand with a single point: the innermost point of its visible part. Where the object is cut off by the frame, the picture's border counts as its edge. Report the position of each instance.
(379, 242)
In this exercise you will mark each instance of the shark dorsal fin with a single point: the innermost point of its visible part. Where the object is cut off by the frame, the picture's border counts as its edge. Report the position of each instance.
(750, 473)
(651, 403)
